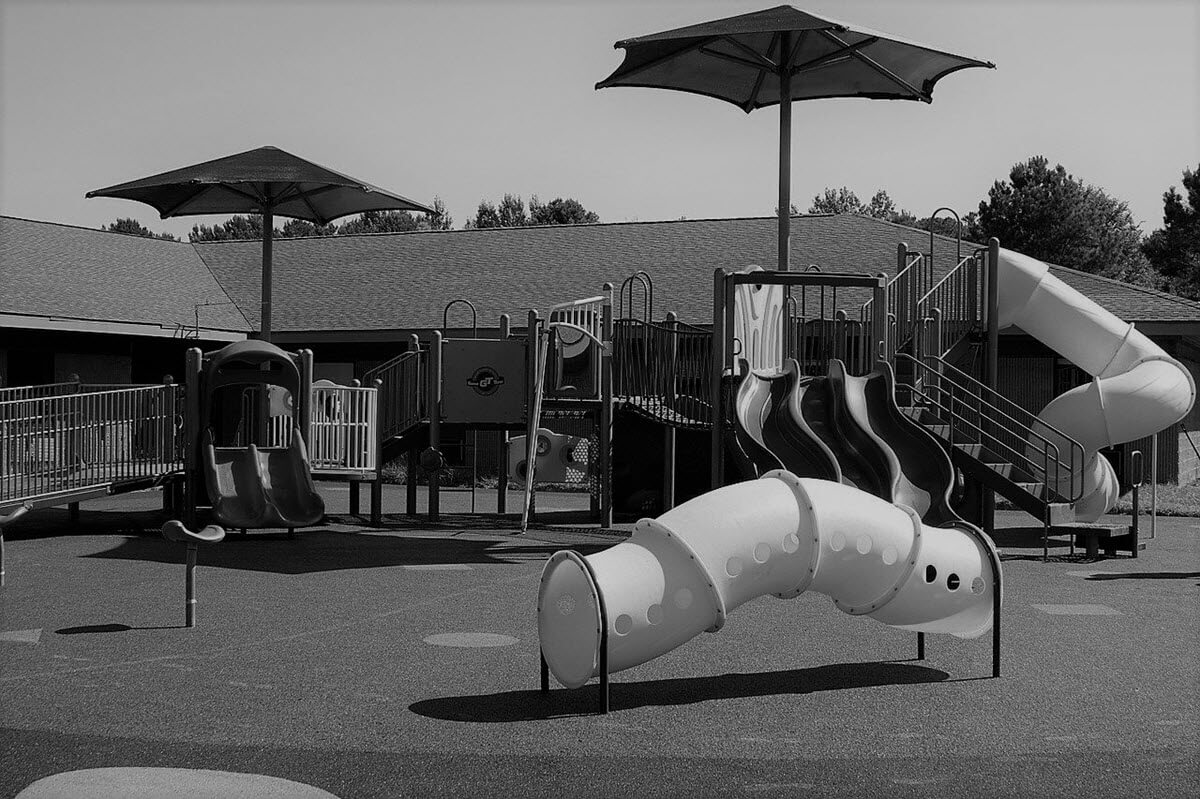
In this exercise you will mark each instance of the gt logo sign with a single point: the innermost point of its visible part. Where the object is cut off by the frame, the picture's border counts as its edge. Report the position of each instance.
(485, 381)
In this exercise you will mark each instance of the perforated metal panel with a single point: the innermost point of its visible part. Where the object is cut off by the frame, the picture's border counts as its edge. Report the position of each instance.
(484, 381)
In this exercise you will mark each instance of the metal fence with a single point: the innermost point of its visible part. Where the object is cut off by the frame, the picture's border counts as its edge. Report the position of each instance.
(69, 442)
(343, 435)
(664, 370)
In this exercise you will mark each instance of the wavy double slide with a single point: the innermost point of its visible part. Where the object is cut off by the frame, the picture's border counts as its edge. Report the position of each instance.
(1136, 388)
(843, 428)
(252, 487)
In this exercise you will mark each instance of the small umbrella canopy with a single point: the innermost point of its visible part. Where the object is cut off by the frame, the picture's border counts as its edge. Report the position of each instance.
(782, 54)
(265, 181)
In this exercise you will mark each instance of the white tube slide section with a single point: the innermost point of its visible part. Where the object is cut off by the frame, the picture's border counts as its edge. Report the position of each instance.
(682, 573)
(1137, 389)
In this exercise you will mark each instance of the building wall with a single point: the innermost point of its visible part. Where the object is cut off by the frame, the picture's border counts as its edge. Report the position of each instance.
(93, 367)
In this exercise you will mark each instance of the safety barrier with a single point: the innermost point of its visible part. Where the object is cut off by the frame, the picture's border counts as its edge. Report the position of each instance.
(342, 428)
(664, 370)
(72, 442)
(975, 413)
(403, 393)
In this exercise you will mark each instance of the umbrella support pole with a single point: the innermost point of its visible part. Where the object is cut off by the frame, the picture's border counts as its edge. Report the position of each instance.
(785, 152)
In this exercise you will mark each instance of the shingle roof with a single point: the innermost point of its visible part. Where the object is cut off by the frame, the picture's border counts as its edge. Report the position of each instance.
(404, 280)
(54, 270)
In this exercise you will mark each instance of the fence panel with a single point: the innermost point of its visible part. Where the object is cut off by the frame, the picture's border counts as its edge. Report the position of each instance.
(71, 442)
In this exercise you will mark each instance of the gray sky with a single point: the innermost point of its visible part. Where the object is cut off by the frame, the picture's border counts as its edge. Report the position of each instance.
(471, 100)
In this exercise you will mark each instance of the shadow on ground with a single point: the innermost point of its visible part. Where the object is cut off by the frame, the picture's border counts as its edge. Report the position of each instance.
(1144, 576)
(324, 550)
(511, 706)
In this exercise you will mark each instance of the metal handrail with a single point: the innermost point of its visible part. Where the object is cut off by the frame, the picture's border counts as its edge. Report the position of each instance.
(35, 392)
(898, 285)
(664, 368)
(643, 279)
(955, 302)
(402, 393)
(72, 442)
(1000, 416)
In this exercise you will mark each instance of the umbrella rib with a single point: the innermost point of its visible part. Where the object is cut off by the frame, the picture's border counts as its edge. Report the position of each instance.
(736, 59)
(762, 75)
(249, 195)
(847, 51)
(170, 211)
(882, 70)
(761, 60)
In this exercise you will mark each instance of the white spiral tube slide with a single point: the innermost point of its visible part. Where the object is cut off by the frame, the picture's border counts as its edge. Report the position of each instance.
(683, 573)
(1136, 389)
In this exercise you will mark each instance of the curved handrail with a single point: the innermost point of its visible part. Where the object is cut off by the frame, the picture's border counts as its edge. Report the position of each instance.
(474, 314)
(642, 278)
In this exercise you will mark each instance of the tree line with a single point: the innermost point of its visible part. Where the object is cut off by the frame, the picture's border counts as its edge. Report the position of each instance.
(1049, 214)
(1042, 211)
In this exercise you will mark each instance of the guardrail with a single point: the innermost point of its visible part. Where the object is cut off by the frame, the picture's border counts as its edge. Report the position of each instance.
(951, 309)
(342, 431)
(664, 369)
(403, 393)
(978, 414)
(58, 444)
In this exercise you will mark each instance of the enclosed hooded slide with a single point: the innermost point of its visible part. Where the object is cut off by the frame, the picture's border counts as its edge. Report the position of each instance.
(684, 572)
(253, 486)
(1136, 388)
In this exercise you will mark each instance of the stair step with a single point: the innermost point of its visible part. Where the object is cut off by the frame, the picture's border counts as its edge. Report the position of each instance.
(971, 449)
(1033, 489)
(1002, 469)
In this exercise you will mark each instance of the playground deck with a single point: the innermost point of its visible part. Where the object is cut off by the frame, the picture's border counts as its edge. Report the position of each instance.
(353, 659)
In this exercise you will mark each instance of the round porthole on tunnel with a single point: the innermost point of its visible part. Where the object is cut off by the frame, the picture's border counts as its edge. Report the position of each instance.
(930, 574)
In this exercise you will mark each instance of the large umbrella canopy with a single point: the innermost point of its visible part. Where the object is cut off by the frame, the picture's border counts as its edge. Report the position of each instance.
(266, 181)
(782, 54)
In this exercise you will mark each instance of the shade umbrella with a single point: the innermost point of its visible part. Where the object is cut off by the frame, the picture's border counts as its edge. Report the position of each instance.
(266, 181)
(779, 55)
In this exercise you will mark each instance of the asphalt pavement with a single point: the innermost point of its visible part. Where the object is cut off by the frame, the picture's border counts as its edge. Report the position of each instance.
(402, 660)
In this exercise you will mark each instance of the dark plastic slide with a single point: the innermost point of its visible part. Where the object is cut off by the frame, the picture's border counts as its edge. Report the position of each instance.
(789, 437)
(922, 475)
(821, 404)
(252, 487)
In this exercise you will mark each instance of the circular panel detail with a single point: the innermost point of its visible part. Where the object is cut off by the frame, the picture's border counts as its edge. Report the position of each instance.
(837, 542)
(791, 542)
(470, 640)
(132, 782)
(890, 556)
(654, 614)
(864, 544)
(733, 566)
(762, 552)
(623, 624)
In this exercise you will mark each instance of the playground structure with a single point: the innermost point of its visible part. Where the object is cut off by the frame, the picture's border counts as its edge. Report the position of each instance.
(254, 466)
(929, 329)
(683, 573)
(511, 384)
(69, 442)
(798, 384)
